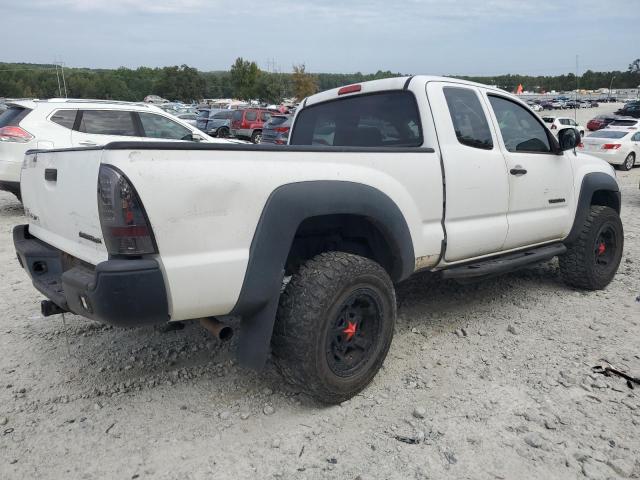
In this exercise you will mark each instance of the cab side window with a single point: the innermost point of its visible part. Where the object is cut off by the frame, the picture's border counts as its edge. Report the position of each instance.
(521, 131)
(469, 121)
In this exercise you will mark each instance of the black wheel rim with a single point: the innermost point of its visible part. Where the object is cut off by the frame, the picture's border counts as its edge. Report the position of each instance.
(354, 333)
(605, 248)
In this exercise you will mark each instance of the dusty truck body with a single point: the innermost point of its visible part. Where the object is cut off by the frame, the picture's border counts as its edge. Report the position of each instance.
(379, 180)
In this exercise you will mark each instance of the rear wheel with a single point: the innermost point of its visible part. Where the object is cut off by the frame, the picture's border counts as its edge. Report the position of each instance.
(256, 137)
(629, 162)
(334, 325)
(593, 259)
(223, 132)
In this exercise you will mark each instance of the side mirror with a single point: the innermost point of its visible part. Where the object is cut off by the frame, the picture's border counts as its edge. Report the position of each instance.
(568, 138)
(194, 137)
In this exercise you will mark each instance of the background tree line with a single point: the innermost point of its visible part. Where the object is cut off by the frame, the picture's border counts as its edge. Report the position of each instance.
(245, 80)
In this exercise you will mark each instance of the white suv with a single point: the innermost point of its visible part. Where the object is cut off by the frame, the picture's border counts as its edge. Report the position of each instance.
(556, 124)
(64, 123)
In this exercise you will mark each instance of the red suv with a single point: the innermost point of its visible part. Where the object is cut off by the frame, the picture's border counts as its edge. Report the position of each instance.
(248, 123)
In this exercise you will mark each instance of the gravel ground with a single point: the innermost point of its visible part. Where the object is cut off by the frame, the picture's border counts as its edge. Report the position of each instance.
(483, 381)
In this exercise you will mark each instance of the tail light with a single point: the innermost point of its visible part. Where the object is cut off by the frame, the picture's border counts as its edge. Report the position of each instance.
(611, 146)
(349, 89)
(125, 227)
(281, 129)
(14, 134)
(553, 127)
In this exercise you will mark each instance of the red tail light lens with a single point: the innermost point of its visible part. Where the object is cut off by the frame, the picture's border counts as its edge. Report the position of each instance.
(14, 134)
(611, 146)
(553, 127)
(125, 227)
(282, 129)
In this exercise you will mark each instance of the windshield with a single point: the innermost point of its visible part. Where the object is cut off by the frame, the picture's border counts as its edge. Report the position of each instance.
(386, 119)
(608, 134)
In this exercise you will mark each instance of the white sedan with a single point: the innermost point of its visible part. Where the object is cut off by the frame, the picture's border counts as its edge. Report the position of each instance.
(618, 147)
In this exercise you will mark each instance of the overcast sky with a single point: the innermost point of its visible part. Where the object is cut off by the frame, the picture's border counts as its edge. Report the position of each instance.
(463, 37)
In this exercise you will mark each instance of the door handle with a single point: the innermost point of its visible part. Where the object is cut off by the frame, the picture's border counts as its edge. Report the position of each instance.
(88, 144)
(517, 171)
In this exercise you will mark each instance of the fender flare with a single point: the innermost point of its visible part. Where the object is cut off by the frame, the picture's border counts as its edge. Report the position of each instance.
(592, 183)
(286, 208)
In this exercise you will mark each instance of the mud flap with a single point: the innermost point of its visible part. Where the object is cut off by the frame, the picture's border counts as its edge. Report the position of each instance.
(255, 335)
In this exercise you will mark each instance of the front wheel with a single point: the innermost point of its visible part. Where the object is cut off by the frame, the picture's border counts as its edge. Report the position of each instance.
(334, 325)
(592, 260)
(222, 132)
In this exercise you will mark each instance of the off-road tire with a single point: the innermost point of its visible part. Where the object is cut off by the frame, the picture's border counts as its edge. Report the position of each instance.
(578, 266)
(309, 309)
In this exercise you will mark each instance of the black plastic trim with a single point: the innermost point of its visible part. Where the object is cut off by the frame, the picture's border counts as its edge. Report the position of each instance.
(12, 187)
(592, 183)
(406, 84)
(509, 262)
(124, 293)
(133, 145)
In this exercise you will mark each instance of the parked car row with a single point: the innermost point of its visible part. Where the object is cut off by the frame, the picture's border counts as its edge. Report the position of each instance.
(64, 123)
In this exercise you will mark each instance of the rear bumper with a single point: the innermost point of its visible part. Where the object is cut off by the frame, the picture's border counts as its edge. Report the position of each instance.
(119, 292)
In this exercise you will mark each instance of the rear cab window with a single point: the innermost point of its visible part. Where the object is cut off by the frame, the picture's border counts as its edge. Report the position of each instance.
(469, 121)
(383, 119)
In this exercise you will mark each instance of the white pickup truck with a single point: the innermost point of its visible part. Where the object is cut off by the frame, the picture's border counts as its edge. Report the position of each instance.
(305, 242)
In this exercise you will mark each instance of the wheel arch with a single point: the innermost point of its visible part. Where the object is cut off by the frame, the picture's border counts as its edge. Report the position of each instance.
(295, 206)
(597, 188)
(289, 210)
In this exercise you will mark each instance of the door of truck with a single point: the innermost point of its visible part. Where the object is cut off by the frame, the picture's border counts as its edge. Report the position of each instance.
(477, 187)
(540, 181)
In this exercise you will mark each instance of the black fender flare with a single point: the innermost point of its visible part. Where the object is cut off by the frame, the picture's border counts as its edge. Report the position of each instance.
(286, 208)
(592, 183)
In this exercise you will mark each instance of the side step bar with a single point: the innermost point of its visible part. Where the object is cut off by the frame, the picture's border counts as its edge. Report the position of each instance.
(505, 263)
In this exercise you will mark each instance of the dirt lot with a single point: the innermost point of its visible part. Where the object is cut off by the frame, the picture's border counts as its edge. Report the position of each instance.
(484, 381)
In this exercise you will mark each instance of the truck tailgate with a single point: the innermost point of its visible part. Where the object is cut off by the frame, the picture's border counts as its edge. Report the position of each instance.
(59, 193)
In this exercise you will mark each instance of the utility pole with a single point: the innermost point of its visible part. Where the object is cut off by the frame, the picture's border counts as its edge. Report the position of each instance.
(575, 107)
(58, 77)
(610, 87)
(64, 83)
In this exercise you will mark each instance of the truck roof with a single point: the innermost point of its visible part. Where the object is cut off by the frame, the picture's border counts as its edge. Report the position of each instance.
(396, 83)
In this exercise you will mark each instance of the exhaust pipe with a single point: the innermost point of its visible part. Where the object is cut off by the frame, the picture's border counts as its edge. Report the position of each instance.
(220, 330)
